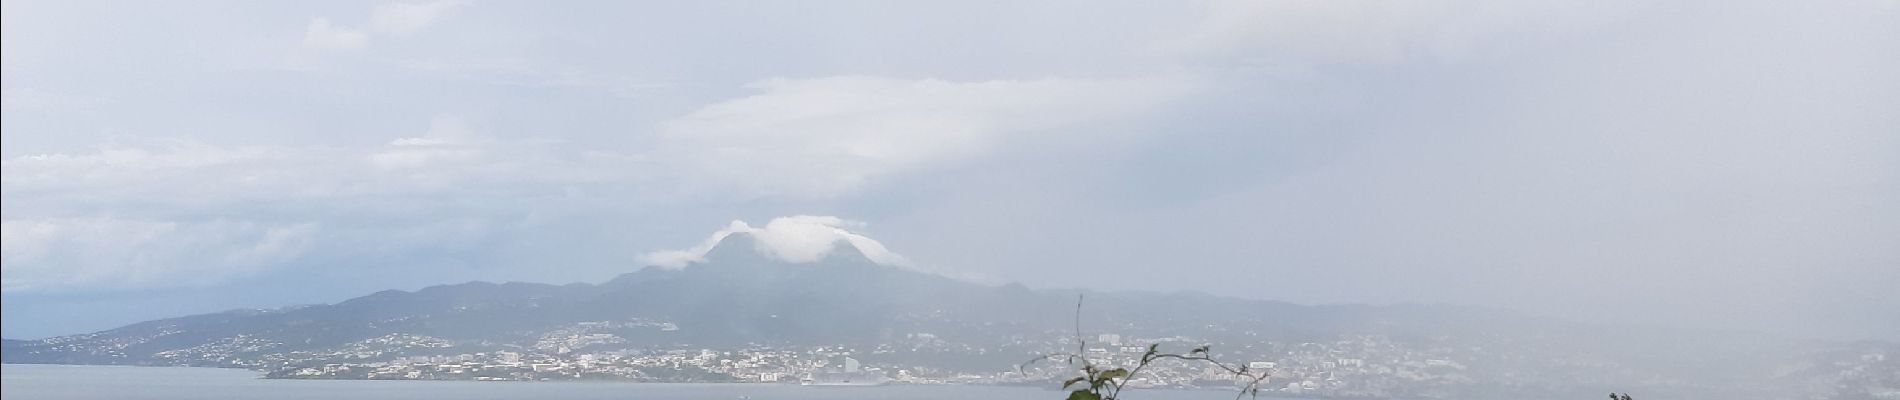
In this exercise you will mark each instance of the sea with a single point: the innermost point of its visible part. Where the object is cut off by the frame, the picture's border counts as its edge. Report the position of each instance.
(87, 382)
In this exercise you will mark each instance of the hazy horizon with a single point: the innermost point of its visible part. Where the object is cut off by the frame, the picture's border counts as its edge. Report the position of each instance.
(1704, 165)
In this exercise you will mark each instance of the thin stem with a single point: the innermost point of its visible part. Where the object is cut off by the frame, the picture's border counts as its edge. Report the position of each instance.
(1081, 346)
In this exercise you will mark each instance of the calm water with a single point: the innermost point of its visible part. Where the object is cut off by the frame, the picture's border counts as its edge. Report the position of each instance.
(68, 382)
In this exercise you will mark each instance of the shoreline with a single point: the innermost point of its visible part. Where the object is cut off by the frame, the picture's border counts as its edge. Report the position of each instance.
(1049, 388)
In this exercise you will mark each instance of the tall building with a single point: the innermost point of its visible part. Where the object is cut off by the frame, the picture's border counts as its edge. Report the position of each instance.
(851, 364)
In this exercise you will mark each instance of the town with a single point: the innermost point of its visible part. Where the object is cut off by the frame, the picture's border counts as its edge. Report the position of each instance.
(1365, 366)
(1345, 366)
(1357, 366)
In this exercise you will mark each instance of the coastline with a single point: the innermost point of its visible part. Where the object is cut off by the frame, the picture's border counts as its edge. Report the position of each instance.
(1051, 388)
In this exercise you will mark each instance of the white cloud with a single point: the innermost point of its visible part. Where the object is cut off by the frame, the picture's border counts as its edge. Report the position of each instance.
(394, 19)
(190, 202)
(323, 35)
(158, 194)
(101, 252)
(163, 169)
(697, 253)
(822, 137)
(793, 239)
(403, 19)
(818, 137)
(182, 173)
(450, 139)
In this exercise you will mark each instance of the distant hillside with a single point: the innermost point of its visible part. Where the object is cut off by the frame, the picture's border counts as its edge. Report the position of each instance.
(739, 297)
(7, 345)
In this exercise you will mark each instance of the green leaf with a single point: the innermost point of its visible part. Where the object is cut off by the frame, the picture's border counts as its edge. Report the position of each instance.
(1071, 381)
(1113, 373)
(1084, 395)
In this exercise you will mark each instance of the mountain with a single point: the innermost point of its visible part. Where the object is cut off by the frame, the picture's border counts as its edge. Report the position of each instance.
(740, 296)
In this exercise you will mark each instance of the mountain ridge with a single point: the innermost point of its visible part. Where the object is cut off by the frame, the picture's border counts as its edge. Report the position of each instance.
(738, 296)
(735, 265)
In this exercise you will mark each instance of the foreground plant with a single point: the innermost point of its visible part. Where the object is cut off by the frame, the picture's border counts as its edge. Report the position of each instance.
(1107, 383)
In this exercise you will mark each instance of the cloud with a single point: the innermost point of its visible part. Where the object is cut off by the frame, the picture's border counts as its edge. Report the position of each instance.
(795, 139)
(393, 19)
(152, 171)
(99, 252)
(190, 174)
(175, 207)
(403, 19)
(1363, 32)
(450, 139)
(323, 35)
(794, 239)
(1478, 151)
(823, 137)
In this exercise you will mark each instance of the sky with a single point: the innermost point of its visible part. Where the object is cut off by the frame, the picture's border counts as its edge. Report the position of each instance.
(1710, 164)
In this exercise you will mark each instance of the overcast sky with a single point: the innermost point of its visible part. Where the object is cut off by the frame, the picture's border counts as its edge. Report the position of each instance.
(1728, 164)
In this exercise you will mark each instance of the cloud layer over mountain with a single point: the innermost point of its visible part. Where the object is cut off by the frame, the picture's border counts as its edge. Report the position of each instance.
(1718, 163)
(795, 239)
